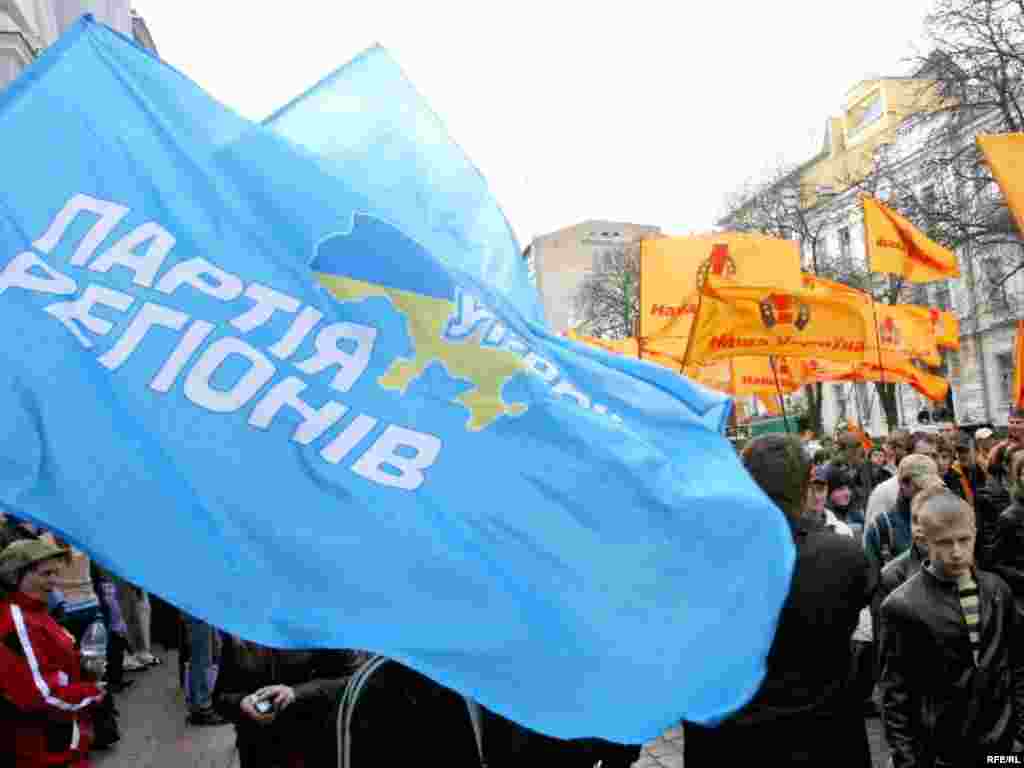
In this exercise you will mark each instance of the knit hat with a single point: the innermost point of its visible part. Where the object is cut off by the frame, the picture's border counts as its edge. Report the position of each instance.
(820, 474)
(21, 554)
(839, 477)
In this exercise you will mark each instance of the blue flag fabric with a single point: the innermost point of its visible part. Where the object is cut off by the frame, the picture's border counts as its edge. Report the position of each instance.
(368, 124)
(228, 380)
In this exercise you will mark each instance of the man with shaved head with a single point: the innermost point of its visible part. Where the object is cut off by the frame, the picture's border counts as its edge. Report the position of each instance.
(952, 652)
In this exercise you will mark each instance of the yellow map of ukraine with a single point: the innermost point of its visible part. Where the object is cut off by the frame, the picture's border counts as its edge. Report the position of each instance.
(376, 259)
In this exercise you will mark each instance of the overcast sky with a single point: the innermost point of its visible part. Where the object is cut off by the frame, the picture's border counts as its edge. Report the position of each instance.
(641, 111)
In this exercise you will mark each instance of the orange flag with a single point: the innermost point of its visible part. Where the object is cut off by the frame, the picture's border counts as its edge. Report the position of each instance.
(772, 404)
(741, 376)
(897, 246)
(629, 347)
(909, 331)
(1018, 367)
(672, 269)
(947, 329)
(764, 320)
(894, 370)
(1005, 156)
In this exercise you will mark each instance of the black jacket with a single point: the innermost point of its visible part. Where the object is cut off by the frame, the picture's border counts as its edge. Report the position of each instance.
(317, 677)
(1008, 550)
(894, 575)
(939, 708)
(989, 504)
(804, 713)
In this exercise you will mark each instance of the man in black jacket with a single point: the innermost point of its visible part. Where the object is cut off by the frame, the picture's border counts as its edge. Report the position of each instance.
(953, 653)
(806, 713)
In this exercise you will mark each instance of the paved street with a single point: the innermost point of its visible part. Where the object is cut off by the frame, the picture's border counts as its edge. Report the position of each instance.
(154, 734)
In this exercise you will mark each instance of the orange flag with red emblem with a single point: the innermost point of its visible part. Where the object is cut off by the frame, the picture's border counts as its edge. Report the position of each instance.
(765, 320)
(909, 331)
(672, 269)
(896, 246)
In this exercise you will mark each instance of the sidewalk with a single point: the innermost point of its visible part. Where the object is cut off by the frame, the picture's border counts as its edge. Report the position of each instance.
(154, 734)
(153, 730)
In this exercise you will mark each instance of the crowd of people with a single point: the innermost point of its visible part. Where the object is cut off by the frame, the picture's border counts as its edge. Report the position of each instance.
(905, 604)
(57, 705)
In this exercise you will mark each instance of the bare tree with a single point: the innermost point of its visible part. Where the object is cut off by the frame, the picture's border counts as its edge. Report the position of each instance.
(773, 205)
(977, 66)
(608, 300)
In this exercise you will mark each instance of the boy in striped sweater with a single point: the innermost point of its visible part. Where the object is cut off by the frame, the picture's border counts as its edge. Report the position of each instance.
(952, 652)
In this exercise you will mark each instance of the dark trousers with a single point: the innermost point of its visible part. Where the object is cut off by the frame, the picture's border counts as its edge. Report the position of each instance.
(863, 671)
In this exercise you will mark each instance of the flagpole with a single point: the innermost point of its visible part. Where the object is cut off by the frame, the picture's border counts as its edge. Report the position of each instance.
(871, 293)
(640, 300)
(778, 389)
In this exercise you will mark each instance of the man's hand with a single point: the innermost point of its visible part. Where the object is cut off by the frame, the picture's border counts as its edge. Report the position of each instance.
(280, 696)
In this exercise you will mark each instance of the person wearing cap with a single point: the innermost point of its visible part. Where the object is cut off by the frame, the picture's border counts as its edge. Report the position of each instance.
(44, 698)
(817, 497)
(967, 464)
(804, 713)
(852, 464)
(839, 496)
(888, 535)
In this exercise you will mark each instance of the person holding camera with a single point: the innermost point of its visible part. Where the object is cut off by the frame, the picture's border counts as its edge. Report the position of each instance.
(282, 703)
(46, 698)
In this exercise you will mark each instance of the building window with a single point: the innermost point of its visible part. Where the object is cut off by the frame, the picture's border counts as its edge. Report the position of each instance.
(928, 197)
(864, 114)
(844, 245)
(1004, 366)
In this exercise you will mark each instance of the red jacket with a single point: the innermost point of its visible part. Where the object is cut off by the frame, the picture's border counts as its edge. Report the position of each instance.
(44, 719)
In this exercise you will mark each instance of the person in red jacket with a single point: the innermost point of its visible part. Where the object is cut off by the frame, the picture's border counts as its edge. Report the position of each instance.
(44, 700)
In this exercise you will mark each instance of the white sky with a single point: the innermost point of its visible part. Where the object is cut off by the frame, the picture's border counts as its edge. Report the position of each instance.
(643, 111)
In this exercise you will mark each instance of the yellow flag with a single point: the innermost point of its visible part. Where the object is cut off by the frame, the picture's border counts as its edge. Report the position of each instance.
(909, 331)
(892, 369)
(1018, 369)
(1005, 156)
(751, 320)
(672, 270)
(895, 245)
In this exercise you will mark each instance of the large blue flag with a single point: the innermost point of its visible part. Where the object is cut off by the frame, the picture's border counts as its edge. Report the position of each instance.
(367, 123)
(227, 379)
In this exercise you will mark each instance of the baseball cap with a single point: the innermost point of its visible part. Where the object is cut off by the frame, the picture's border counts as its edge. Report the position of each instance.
(22, 554)
(983, 434)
